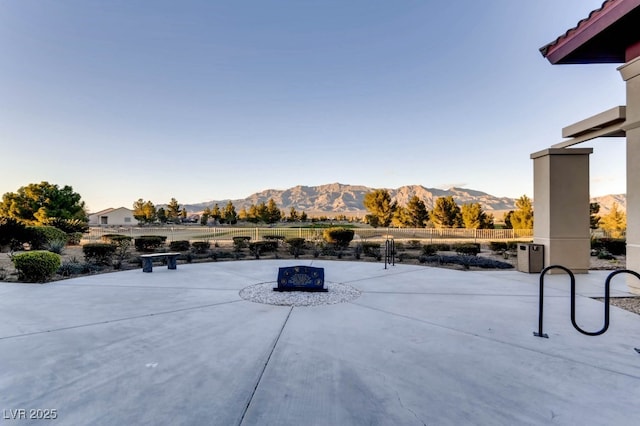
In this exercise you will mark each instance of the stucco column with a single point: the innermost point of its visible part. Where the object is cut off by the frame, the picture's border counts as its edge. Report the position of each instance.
(631, 74)
(561, 206)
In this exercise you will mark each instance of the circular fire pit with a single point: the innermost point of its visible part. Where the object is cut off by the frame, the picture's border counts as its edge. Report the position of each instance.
(263, 293)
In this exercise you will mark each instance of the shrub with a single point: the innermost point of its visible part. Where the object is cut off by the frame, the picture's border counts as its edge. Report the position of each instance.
(201, 247)
(180, 245)
(615, 246)
(68, 226)
(108, 238)
(469, 249)
(56, 246)
(296, 246)
(371, 249)
(340, 237)
(149, 242)
(39, 236)
(442, 247)
(240, 242)
(498, 246)
(429, 249)
(274, 237)
(466, 261)
(605, 255)
(413, 244)
(99, 253)
(259, 247)
(12, 232)
(36, 266)
(74, 267)
(121, 244)
(74, 238)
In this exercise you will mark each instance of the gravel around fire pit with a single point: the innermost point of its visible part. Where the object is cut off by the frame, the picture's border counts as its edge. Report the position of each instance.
(263, 293)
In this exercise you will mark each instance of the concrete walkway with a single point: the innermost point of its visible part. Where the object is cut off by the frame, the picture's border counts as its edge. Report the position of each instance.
(420, 346)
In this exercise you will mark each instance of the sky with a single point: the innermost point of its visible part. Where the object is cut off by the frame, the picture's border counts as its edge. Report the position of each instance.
(209, 100)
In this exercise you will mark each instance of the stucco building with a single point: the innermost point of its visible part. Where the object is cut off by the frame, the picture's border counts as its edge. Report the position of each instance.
(121, 216)
(609, 34)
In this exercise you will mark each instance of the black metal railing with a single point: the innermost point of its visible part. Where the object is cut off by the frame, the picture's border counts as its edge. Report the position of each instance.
(607, 296)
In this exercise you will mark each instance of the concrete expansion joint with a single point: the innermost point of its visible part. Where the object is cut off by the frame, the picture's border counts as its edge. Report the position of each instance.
(264, 368)
(149, 315)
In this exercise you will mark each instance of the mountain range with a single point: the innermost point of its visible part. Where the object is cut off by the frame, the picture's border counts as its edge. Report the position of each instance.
(337, 198)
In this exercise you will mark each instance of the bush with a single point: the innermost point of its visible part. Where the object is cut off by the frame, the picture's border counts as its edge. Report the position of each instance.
(36, 266)
(12, 232)
(56, 246)
(466, 261)
(39, 236)
(340, 237)
(121, 244)
(99, 253)
(273, 237)
(371, 249)
(68, 226)
(240, 242)
(260, 247)
(180, 245)
(469, 249)
(201, 247)
(149, 242)
(74, 238)
(75, 267)
(615, 246)
(605, 255)
(429, 249)
(413, 244)
(108, 238)
(296, 246)
(498, 247)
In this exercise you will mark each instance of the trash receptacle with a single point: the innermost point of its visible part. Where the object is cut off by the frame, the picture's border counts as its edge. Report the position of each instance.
(530, 258)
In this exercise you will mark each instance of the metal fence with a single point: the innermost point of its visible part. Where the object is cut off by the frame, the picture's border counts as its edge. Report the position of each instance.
(226, 234)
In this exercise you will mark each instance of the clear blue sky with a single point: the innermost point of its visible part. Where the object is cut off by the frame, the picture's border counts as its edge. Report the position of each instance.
(202, 100)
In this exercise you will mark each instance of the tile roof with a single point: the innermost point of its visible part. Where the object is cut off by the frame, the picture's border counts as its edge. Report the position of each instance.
(599, 37)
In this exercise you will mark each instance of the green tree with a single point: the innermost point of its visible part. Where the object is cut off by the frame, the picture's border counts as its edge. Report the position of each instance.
(418, 213)
(144, 211)
(293, 215)
(161, 215)
(38, 203)
(173, 211)
(522, 217)
(446, 213)
(204, 217)
(594, 219)
(216, 214)
(474, 217)
(253, 215)
(261, 212)
(273, 212)
(243, 214)
(614, 222)
(303, 216)
(507, 219)
(401, 218)
(380, 206)
(229, 214)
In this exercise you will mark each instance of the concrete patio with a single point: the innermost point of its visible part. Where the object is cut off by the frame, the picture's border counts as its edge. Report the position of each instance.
(420, 346)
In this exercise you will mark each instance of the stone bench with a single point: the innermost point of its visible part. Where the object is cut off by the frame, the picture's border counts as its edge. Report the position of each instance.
(147, 260)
